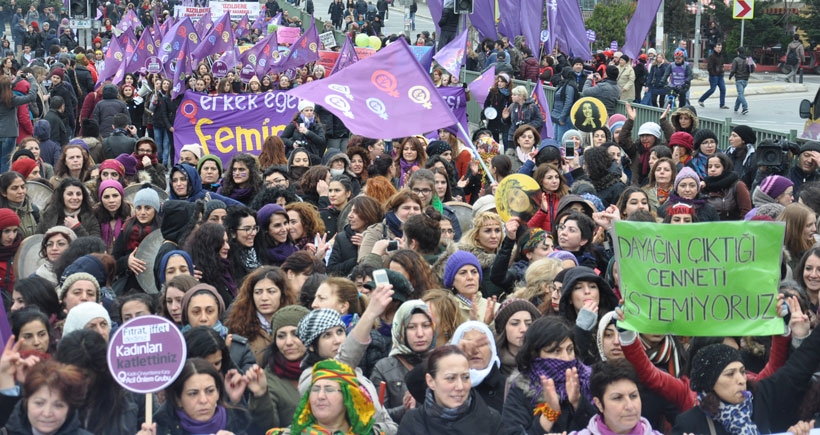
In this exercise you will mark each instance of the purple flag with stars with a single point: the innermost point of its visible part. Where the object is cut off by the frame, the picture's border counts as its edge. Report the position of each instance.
(347, 56)
(451, 56)
(381, 96)
(304, 50)
(219, 39)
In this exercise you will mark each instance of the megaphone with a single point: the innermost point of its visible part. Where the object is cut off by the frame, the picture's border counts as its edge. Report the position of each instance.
(144, 90)
(490, 113)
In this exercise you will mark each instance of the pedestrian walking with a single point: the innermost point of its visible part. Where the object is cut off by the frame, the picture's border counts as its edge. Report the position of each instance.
(714, 65)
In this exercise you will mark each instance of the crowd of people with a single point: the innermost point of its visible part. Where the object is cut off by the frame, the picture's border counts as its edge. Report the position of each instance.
(268, 264)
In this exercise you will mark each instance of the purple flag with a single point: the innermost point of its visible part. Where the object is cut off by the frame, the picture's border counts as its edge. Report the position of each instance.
(129, 20)
(5, 328)
(566, 27)
(509, 23)
(242, 27)
(451, 56)
(144, 49)
(261, 56)
(304, 50)
(128, 38)
(218, 39)
(639, 26)
(174, 40)
(544, 105)
(183, 66)
(424, 54)
(480, 87)
(347, 56)
(204, 24)
(230, 57)
(483, 18)
(529, 15)
(381, 95)
(113, 59)
(261, 23)
(436, 7)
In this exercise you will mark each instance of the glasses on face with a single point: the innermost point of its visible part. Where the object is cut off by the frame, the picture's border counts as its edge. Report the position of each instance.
(448, 231)
(328, 389)
(254, 229)
(144, 150)
(423, 192)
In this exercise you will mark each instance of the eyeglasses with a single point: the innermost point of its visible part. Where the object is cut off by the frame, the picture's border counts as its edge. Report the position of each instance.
(328, 389)
(448, 231)
(249, 229)
(424, 192)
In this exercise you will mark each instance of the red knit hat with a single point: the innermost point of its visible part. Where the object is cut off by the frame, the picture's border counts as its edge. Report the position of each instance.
(24, 166)
(8, 218)
(683, 139)
(114, 165)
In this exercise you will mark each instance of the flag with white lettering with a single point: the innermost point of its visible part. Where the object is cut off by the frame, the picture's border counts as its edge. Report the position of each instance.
(451, 56)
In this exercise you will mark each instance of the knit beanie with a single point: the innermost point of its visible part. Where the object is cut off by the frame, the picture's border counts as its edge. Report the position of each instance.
(59, 229)
(594, 200)
(458, 260)
(746, 134)
(81, 314)
(612, 72)
(58, 72)
(614, 119)
(316, 322)
(74, 277)
(193, 149)
(113, 165)
(8, 218)
(569, 134)
(809, 146)
(510, 307)
(438, 147)
(615, 126)
(207, 157)
(264, 214)
(685, 173)
(708, 364)
(701, 135)
(186, 299)
(287, 316)
(211, 206)
(304, 104)
(114, 184)
(147, 197)
(23, 167)
(402, 289)
(684, 139)
(775, 185)
(90, 265)
(129, 163)
(562, 256)
(651, 128)
(22, 153)
(163, 263)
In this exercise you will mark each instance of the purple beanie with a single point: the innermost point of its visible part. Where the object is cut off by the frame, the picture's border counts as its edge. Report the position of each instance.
(685, 173)
(110, 183)
(456, 261)
(563, 256)
(775, 185)
(129, 162)
(264, 214)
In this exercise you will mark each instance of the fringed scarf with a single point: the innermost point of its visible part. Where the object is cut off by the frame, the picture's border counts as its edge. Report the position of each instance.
(110, 233)
(556, 369)
(664, 354)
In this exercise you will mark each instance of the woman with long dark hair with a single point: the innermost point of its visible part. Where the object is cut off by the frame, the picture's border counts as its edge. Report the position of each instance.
(243, 180)
(364, 211)
(112, 211)
(71, 207)
(273, 241)
(13, 196)
(209, 248)
(241, 225)
(146, 219)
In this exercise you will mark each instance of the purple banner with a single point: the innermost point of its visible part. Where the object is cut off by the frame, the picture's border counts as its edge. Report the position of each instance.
(424, 54)
(436, 7)
(509, 23)
(113, 60)
(529, 15)
(451, 56)
(480, 87)
(639, 26)
(483, 18)
(227, 124)
(566, 26)
(544, 105)
(456, 99)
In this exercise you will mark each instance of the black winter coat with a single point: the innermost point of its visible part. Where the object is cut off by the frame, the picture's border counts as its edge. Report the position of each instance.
(19, 424)
(343, 257)
(85, 79)
(479, 419)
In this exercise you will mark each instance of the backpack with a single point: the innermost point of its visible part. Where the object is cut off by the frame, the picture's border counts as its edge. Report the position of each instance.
(791, 56)
(750, 63)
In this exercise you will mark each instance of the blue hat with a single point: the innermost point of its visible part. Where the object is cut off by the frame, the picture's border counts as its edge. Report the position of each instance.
(166, 257)
(458, 260)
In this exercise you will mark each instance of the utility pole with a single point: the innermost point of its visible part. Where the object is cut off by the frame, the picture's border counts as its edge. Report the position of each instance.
(659, 36)
(696, 58)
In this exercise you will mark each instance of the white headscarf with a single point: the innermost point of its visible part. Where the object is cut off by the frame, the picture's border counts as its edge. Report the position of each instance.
(477, 376)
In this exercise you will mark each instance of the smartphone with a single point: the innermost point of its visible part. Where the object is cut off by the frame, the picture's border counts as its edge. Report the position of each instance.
(380, 277)
(393, 245)
(569, 147)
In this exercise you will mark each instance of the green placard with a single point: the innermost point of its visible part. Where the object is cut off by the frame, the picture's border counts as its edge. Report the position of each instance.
(705, 279)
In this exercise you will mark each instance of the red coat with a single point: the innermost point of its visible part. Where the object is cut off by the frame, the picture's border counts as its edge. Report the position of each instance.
(24, 123)
(529, 69)
(543, 218)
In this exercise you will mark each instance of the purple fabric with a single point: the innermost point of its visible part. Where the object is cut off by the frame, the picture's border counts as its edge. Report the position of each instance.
(456, 99)
(567, 29)
(261, 23)
(451, 56)
(540, 98)
(304, 50)
(5, 328)
(436, 7)
(230, 58)
(144, 49)
(242, 27)
(128, 37)
(424, 54)
(556, 369)
(529, 17)
(483, 18)
(174, 39)
(381, 95)
(347, 56)
(204, 24)
(480, 87)
(509, 23)
(217, 40)
(216, 423)
(639, 26)
(114, 56)
(183, 66)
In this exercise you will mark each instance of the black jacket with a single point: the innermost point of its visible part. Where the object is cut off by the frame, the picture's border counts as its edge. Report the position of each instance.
(19, 424)
(344, 254)
(479, 419)
(105, 110)
(84, 78)
(120, 142)
(59, 130)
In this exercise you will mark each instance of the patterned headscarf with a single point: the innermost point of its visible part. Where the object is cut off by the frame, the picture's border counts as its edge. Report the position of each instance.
(358, 403)
(399, 330)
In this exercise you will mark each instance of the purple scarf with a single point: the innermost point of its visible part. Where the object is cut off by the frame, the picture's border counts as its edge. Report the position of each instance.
(281, 252)
(216, 423)
(109, 235)
(406, 170)
(556, 369)
(226, 276)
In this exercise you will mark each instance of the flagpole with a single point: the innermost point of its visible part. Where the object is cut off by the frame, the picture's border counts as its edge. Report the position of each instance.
(475, 152)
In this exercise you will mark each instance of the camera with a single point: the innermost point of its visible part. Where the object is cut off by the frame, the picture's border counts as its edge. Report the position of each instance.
(776, 156)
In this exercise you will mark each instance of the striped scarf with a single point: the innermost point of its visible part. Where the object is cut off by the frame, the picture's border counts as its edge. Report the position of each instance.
(664, 354)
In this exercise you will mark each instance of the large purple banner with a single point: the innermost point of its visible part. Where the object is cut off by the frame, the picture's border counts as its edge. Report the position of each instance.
(456, 99)
(227, 124)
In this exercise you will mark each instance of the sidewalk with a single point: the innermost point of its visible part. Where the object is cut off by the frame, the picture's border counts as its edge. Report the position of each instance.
(758, 85)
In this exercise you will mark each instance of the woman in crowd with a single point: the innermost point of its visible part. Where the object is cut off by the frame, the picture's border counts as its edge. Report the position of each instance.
(410, 264)
(36, 292)
(523, 110)
(607, 183)
(298, 164)
(32, 329)
(134, 231)
(723, 189)
(359, 161)
(534, 245)
(52, 394)
(444, 308)
(463, 275)
(13, 197)
(241, 227)
(442, 183)
(275, 405)
(244, 179)
(477, 341)
(411, 155)
(174, 263)
(298, 267)
(149, 168)
(313, 186)
(339, 191)
(71, 207)
(498, 99)
(582, 290)
(544, 398)
(197, 403)
(304, 225)
(632, 199)
(414, 335)
(305, 130)
(273, 153)
(74, 163)
(687, 190)
(260, 297)
(553, 187)
(423, 183)
(210, 171)
(364, 212)
(112, 211)
(186, 185)
(450, 405)
(340, 294)
(171, 297)
(8, 114)
(525, 139)
(41, 168)
(513, 319)
(273, 242)
(538, 287)
(800, 229)
(204, 342)
(398, 208)
(661, 182)
(483, 241)
(209, 248)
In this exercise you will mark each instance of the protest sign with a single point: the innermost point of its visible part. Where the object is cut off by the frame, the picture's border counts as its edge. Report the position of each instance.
(327, 59)
(146, 354)
(328, 40)
(287, 35)
(194, 13)
(227, 124)
(707, 279)
(236, 9)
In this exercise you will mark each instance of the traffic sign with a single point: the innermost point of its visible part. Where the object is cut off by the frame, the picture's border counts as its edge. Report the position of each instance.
(743, 10)
(79, 23)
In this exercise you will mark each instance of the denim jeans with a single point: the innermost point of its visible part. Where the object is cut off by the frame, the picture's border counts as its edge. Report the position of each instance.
(163, 139)
(561, 129)
(715, 82)
(793, 72)
(7, 145)
(740, 85)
